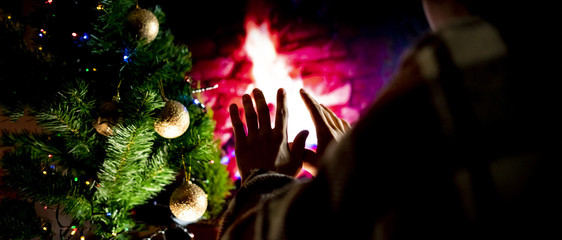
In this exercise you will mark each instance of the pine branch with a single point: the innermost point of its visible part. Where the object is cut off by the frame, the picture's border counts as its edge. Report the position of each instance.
(28, 144)
(72, 125)
(60, 120)
(157, 174)
(128, 149)
(139, 106)
(218, 186)
(110, 27)
(70, 116)
(77, 95)
(26, 172)
(121, 176)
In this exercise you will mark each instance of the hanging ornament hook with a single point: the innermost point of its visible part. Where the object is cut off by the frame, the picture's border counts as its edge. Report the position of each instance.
(117, 97)
(187, 173)
(161, 85)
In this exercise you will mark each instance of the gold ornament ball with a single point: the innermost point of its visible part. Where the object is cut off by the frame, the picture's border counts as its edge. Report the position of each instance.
(103, 126)
(108, 116)
(188, 202)
(143, 24)
(173, 120)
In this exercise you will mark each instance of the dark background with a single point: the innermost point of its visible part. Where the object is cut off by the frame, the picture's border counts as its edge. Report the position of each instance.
(191, 20)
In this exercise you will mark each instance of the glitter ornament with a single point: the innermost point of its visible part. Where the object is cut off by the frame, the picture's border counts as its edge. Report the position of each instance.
(173, 120)
(143, 25)
(103, 126)
(188, 202)
(108, 116)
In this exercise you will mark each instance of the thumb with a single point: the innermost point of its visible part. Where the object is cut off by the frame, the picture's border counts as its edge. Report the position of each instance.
(293, 167)
(297, 148)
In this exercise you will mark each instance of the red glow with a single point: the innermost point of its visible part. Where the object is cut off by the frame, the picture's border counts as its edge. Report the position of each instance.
(341, 68)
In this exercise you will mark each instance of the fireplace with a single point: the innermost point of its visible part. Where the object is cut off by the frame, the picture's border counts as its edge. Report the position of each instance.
(342, 52)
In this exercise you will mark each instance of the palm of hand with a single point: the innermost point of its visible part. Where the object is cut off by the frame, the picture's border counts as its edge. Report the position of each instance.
(329, 127)
(264, 147)
(259, 150)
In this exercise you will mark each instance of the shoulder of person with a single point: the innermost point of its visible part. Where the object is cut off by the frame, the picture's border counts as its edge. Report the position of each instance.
(461, 45)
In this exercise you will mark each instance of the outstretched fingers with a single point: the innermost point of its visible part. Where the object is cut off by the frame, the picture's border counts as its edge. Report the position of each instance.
(237, 124)
(314, 109)
(250, 113)
(342, 125)
(331, 117)
(263, 110)
(346, 125)
(282, 113)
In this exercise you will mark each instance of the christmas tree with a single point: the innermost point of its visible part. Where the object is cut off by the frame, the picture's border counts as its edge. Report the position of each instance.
(121, 126)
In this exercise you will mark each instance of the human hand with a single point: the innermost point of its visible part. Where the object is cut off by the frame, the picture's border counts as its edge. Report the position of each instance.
(329, 127)
(264, 147)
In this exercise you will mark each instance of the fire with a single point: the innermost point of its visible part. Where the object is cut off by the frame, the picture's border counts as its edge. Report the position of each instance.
(271, 71)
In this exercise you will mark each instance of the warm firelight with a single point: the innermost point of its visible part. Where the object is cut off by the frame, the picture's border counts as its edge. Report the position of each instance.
(271, 71)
